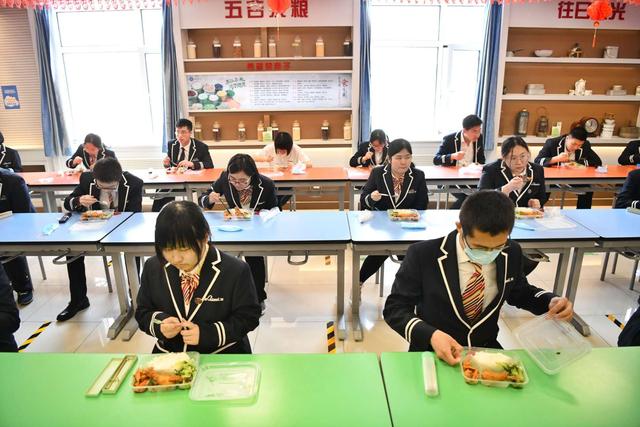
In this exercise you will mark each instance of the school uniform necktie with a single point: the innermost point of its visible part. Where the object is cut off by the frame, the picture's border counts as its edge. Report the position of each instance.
(397, 186)
(473, 295)
(188, 283)
(182, 155)
(245, 196)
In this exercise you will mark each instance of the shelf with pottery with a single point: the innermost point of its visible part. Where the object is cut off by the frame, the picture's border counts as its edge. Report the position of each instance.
(577, 61)
(572, 98)
(281, 58)
(255, 144)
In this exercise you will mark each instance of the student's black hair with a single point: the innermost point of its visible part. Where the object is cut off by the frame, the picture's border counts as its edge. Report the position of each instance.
(184, 123)
(471, 121)
(243, 163)
(488, 211)
(397, 145)
(107, 169)
(512, 142)
(94, 140)
(380, 136)
(181, 225)
(1, 138)
(283, 141)
(579, 133)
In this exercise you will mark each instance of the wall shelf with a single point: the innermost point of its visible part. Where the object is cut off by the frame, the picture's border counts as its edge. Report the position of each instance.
(572, 98)
(565, 60)
(284, 58)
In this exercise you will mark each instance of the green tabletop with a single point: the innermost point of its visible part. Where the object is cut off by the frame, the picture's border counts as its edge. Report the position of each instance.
(295, 390)
(600, 389)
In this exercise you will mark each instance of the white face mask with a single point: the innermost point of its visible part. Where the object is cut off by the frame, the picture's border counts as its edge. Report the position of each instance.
(481, 256)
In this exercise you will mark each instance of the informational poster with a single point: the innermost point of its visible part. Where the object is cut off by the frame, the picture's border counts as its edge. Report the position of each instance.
(10, 98)
(278, 91)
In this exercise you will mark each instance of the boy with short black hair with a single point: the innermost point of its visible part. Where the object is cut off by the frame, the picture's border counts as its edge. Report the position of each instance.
(449, 291)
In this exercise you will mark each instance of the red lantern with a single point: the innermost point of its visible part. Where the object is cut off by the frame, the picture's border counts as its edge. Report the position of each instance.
(279, 6)
(598, 10)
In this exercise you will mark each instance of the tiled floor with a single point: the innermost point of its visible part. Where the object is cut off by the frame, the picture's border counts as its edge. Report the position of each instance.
(301, 300)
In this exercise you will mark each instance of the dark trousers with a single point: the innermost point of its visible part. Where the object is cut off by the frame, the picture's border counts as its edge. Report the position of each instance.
(159, 203)
(78, 280)
(256, 264)
(584, 201)
(460, 198)
(18, 272)
(371, 264)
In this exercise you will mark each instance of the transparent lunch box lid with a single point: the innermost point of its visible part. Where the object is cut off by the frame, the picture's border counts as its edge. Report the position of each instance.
(226, 381)
(475, 373)
(552, 344)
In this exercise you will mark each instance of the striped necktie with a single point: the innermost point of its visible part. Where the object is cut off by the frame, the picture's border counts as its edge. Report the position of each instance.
(189, 283)
(473, 295)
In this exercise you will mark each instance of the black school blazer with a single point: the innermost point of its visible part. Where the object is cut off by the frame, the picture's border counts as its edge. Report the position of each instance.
(554, 146)
(362, 150)
(451, 144)
(85, 157)
(14, 194)
(224, 305)
(198, 154)
(262, 197)
(629, 195)
(426, 295)
(129, 193)
(414, 190)
(497, 174)
(10, 158)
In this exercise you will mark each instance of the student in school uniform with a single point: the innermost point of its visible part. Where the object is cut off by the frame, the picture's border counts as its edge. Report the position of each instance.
(14, 196)
(519, 179)
(283, 153)
(243, 187)
(449, 291)
(105, 187)
(9, 158)
(89, 152)
(193, 297)
(629, 195)
(572, 147)
(462, 148)
(396, 185)
(9, 315)
(184, 152)
(515, 175)
(631, 153)
(373, 152)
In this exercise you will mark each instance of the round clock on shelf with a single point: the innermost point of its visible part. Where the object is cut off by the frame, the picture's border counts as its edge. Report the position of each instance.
(590, 124)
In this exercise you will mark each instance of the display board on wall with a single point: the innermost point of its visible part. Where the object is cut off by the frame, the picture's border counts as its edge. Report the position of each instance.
(572, 14)
(277, 91)
(256, 13)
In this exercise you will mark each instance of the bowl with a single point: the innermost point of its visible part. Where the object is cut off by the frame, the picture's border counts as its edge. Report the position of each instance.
(543, 53)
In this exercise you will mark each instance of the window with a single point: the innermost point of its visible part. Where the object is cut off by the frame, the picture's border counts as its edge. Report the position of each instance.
(424, 67)
(109, 74)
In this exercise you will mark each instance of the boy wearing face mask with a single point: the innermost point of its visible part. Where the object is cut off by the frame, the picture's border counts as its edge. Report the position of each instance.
(449, 291)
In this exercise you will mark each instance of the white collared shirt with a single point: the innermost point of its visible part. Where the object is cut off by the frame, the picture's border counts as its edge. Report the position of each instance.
(466, 270)
(468, 150)
(378, 157)
(187, 149)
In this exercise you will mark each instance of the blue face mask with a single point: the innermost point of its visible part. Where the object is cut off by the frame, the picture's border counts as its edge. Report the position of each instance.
(481, 256)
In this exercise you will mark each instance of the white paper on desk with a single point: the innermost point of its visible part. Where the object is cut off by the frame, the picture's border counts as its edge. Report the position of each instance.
(45, 180)
(87, 225)
(365, 216)
(555, 222)
(473, 168)
(268, 214)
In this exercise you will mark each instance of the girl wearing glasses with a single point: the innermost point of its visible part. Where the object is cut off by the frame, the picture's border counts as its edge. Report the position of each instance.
(396, 185)
(243, 187)
(515, 175)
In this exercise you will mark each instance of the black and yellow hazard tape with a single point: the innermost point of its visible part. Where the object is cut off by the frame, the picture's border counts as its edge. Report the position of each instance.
(33, 336)
(618, 323)
(331, 338)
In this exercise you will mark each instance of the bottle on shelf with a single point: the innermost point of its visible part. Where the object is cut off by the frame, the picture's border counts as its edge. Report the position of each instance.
(217, 48)
(191, 50)
(295, 130)
(522, 122)
(217, 134)
(272, 48)
(197, 133)
(347, 46)
(242, 132)
(257, 48)
(324, 130)
(274, 129)
(297, 46)
(319, 47)
(260, 130)
(237, 48)
(347, 130)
